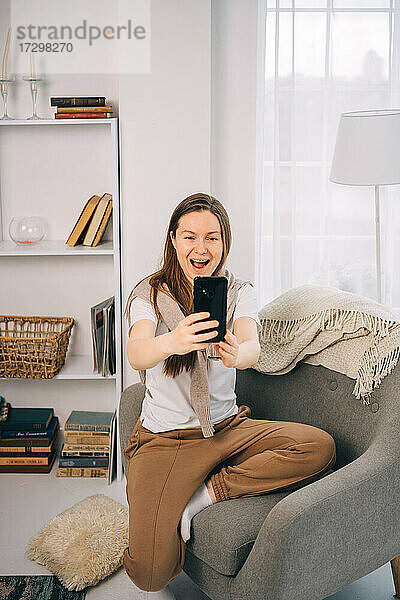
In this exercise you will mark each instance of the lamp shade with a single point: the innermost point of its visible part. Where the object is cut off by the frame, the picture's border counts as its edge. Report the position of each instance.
(367, 149)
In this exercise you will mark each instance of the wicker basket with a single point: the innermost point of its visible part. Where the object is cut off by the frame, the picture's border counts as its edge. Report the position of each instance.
(33, 347)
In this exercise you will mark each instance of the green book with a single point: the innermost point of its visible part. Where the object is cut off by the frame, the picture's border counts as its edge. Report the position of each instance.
(25, 419)
(84, 420)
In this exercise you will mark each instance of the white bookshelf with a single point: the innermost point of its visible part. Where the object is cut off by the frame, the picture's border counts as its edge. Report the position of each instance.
(54, 248)
(40, 122)
(78, 366)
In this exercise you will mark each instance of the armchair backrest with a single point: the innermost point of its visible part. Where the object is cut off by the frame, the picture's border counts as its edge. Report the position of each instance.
(322, 398)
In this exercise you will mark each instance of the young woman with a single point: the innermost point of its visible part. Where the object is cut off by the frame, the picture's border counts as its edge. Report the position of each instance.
(193, 445)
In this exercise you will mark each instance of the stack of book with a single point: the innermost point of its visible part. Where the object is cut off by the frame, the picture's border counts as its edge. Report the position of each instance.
(89, 443)
(27, 440)
(81, 107)
(103, 337)
(92, 222)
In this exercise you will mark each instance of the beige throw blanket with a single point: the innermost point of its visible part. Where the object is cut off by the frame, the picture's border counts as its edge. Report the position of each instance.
(322, 325)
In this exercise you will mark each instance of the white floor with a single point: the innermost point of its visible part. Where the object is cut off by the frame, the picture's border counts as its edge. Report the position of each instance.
(29, 500)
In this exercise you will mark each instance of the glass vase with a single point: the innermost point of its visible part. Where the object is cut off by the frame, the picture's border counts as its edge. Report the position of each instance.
(26, 231)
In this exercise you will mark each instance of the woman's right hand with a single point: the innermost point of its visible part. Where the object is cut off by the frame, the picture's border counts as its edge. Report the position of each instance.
(184, 338)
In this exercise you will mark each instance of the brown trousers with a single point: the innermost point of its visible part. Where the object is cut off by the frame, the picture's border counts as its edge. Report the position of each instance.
(245, 457)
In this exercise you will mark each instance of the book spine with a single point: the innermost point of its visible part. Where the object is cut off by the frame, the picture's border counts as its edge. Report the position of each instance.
(87, 439)
(24, 427)
(102, 225)
(26, 468)
(99, 115)
(74, 109)
(85, 453)
(24, 460)
(84, 472)
(78, 101)
(29, 438)
(78, 232)
(90, 428)
(90, 434)
(82, 462)
(25, 442)
(25, 455)
(91, 449)
(18, 425)
(22, 434)
(40, 423)
(22, 450)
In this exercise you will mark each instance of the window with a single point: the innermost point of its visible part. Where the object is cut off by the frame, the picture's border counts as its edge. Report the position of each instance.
(322, 58)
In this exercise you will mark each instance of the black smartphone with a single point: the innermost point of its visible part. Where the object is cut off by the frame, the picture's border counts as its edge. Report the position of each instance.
(210, 294)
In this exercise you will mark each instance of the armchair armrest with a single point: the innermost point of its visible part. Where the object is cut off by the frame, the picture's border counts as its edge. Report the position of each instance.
(130, 406)
(324, 536)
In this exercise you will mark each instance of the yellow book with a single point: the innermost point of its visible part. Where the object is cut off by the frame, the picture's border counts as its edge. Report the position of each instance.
(77, 109)
(86, 439)
(99, 221)
(82, 472)
(80, 227)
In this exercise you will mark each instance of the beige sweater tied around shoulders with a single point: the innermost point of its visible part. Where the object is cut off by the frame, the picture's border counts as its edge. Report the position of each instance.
(171, 315)
(323, 325)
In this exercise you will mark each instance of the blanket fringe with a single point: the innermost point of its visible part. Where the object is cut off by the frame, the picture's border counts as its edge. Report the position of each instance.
(280, 332)
(372, 371)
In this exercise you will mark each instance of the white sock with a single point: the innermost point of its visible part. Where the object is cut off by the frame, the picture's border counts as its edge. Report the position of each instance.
(200, 500)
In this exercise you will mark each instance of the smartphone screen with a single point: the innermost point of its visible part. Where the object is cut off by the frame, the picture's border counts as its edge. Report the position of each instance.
(210, 295)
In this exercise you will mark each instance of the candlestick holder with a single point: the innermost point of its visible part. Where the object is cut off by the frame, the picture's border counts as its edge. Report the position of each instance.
(4, 81)
(33, 84)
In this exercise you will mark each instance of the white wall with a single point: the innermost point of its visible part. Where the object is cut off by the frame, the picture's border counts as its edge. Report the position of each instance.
(165, 145)
(233, 123)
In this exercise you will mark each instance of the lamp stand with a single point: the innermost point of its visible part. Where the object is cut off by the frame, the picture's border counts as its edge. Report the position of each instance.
(378, 244)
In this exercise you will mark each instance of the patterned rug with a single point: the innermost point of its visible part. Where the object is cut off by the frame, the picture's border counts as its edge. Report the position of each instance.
(35, 587)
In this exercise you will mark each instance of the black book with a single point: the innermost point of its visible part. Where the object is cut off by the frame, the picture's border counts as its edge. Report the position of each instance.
(111, 353)
(28, 452)
(108, 367)
(29, 436)
(77, 101)
(79, 461)
(27, 419)
(30, 468)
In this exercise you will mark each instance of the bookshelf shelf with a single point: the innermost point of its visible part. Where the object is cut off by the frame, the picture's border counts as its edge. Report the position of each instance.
(78, 366)
(58, 121)
(54, 248)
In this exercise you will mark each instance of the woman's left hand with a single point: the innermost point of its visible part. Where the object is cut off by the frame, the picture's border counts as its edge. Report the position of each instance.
(228, 350)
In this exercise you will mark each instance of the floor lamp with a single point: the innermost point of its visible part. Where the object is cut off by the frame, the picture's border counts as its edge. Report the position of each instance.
(367, 152)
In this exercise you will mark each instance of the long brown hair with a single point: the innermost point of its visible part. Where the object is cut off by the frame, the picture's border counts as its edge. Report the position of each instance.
(172, 274)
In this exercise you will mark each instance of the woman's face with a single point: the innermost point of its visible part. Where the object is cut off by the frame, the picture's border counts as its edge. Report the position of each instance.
(198, 236)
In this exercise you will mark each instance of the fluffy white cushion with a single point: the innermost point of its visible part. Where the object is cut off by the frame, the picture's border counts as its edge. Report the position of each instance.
(83, 544)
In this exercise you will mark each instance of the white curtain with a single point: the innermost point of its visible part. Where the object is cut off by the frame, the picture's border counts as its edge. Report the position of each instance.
(322, 58)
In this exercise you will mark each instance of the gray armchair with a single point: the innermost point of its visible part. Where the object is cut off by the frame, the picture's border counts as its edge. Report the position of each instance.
(309, 543)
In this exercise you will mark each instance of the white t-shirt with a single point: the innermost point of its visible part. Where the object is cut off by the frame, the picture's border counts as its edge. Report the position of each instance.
(166, 402)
